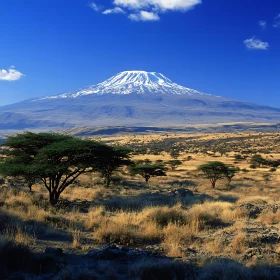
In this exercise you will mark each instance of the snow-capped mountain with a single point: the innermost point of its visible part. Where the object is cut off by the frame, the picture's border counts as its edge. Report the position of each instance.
(131, 98)
(131, 82)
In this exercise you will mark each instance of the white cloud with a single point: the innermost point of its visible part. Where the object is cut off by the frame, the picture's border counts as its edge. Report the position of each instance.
(163, 5)
(276, 23)
(146, 10)
(256, 44)
(95, 7)
(262, 24)
(10, 75)
(144, 16)
(116, 10)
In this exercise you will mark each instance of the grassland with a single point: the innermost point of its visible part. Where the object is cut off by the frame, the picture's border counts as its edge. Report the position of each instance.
(227, 232)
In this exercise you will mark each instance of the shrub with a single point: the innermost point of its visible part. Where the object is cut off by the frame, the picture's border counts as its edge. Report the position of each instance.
(162, 216)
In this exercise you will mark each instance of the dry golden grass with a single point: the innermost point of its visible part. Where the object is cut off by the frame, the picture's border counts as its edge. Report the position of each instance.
(176, 237)
(270, 218)
(134, 214)
(126, 227)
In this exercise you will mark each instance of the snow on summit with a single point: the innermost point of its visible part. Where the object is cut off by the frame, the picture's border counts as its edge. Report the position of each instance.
(132, 82)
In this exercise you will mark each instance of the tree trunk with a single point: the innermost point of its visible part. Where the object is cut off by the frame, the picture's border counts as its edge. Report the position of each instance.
(213, 184)
(54, 196)
(29, 185)
(107, 181)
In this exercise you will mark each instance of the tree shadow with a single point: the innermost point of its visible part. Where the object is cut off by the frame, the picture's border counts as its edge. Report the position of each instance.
(242, 185)
(231, 269)
(227, 198)
(11, 225)
(184, 183)
(137, 202)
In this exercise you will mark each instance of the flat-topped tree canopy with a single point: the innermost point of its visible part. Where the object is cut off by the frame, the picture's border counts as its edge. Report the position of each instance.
(57, 160)
(148, 170)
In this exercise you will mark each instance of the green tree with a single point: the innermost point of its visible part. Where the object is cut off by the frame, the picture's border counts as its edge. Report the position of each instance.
(21, 151)
(174, 163)
(230, 172)
(113, 158)
(145, 161)
(238, 157)
(56, 160)
(174, 153)
(258, 161)
(213, 171)
(266, 177)
(148, 171)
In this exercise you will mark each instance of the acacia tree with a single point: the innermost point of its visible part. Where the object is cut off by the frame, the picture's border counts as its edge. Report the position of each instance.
(174, 153)
(56, 160)
(258, 161)
(174, 163)
(230, 172)
(213, 171)
(112, 159)
(20, 152)
(20, 170)
(148, 171)
(60, 164)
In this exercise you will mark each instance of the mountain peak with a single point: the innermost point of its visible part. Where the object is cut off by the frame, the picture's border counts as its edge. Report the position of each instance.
(132, 82)
(137, 78)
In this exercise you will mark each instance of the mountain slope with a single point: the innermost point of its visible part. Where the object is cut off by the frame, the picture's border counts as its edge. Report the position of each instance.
(135, 98)
(128, 82)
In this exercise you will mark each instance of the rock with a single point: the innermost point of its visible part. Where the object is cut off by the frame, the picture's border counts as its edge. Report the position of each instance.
(269, 237)
(181, 192)
(224, 237)
(270, 208)
(111, 252)
(155, 193)
(190, 251)
(204, 197)
(252, 210)
(260, 254)
(154, 248)
(53, 251)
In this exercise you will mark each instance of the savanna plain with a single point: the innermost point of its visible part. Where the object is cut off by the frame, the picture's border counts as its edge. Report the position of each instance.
(176, 226)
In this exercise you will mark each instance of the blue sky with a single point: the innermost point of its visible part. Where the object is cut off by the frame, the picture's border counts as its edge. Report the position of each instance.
(229, 48)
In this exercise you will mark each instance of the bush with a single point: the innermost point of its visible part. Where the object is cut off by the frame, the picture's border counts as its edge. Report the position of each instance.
(165, 215)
